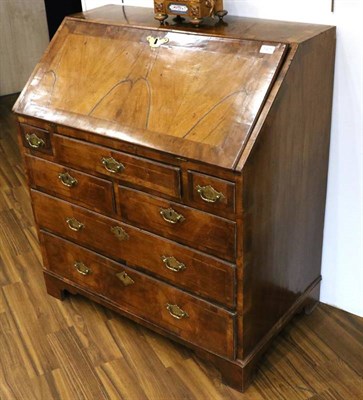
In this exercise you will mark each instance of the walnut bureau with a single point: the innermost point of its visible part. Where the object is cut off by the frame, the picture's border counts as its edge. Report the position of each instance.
(178, 174)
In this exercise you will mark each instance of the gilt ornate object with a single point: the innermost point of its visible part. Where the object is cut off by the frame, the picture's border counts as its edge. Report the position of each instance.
(196, 10)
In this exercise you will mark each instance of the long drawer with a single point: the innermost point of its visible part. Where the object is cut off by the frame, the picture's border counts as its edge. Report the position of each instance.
(191, 319)
(186, 225)
(70, 184)
(133, 170)
(191, 270)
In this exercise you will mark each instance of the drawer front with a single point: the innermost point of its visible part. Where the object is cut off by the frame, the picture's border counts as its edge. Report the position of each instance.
(193, 320)
(195, 228)
(211, 194)
(35, 139)
(185, 268)
(67, 183)
(133, 170)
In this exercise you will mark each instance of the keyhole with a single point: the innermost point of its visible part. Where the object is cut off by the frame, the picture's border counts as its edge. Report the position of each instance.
(156, 41)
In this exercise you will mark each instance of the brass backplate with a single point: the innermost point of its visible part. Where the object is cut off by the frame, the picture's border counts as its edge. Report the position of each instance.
(125, 278)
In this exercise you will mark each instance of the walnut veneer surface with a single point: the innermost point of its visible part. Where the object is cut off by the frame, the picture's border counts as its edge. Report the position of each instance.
(183, 185)
(44, 341)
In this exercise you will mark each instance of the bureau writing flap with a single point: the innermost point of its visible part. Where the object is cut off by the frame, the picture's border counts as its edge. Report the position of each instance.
(192, 95)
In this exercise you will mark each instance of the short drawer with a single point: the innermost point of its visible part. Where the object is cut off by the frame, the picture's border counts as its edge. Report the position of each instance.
(179, 265)
(67, 183)
(133, 170)
(186, 316)
(211, 194)
(36, 139)
(186, 225)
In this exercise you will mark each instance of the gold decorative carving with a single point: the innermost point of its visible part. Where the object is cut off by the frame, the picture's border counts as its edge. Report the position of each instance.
(158, 7)
(194, 10)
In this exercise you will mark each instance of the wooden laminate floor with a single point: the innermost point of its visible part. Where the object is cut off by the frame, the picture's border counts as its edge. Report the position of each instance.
(79, 350)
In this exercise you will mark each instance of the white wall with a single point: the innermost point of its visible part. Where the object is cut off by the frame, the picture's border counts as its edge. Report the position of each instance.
(89, 4)
(342, 267)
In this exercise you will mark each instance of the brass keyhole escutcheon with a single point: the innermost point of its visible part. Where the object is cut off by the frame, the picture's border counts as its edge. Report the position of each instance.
(125, 278)
(119, 232)
(155, 42)
(171, 216)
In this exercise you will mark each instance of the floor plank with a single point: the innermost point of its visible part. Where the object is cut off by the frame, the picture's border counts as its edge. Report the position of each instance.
(79, 350)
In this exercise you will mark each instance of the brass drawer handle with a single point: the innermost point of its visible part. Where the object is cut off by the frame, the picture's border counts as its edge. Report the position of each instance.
(176, 312)
(209, 194)
(112, 165)
(119, 232)
(67, 179)
(82, 268)
(173, 264)
(34, 141)
(171, 216)
(125, 278)
(73, 224)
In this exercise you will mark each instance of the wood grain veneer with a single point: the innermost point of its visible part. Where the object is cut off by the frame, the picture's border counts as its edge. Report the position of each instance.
(202, 122)
(145, 298)
(88, 190)
(136, 171)
(198, 229)
(224, 150)
(204, 275)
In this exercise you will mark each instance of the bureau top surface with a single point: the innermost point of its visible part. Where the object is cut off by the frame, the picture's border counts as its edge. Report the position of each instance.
(232, 26)
(196, 96)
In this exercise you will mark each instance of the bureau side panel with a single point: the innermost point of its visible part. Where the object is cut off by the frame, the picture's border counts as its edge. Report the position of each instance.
(285, 179)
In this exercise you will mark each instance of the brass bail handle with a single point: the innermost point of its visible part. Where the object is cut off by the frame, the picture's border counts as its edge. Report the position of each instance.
(34, 141)
(112, 165)
(74, 224)
(67, 179)
(82, 268)
(209, 194)
(173, 264)
(176, 312)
